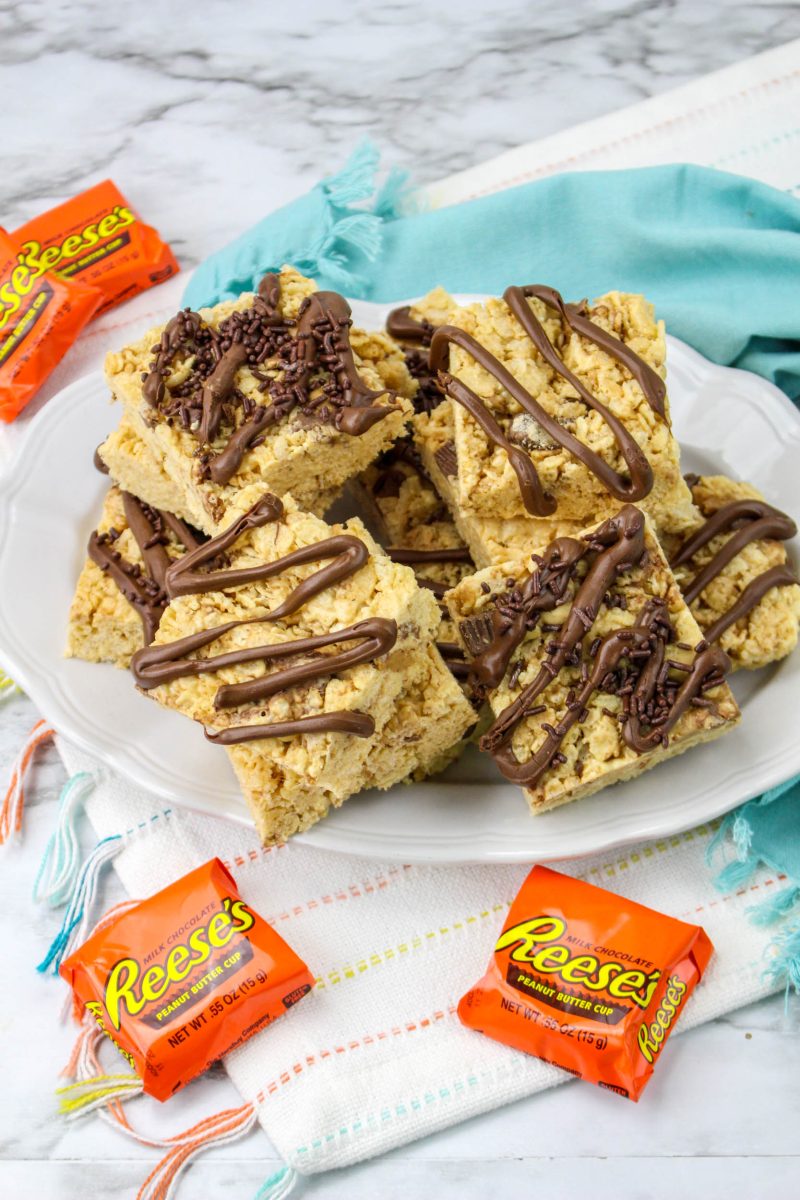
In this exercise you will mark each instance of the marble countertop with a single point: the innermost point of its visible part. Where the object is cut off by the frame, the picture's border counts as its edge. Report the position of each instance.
(207, 117)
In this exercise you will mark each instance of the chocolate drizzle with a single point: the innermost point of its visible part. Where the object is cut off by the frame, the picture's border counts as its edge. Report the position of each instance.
(447, 459)
(157, 665)
(416, 336)
(142, 585)
(747, 521)
(443, 554)
(574, 317)
(318, 375)
(356, 723)
(405, 328)
(753, 594)
(651, 706)
(628, 662)
(370, 638)
(348, 555)
(617, 545)
(639, 479)
(454, 659)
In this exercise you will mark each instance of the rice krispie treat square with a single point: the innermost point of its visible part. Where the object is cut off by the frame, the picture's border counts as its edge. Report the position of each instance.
(734, 573)
(120, 593)
(415, 528)
(139, 468)
(426, 729)
(591, 661)
(295, 654)
(273, 389)
(490, 539)
(560, 410)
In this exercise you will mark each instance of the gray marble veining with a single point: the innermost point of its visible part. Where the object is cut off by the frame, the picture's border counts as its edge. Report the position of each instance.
(209, 117)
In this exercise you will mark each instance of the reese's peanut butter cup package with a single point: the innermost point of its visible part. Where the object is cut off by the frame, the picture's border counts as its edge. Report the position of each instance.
(40, 317)
(587, 980)
(97, 238)
(182, 978)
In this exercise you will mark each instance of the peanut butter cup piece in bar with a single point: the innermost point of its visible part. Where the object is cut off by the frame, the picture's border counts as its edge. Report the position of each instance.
(120, 596)
(269, 390)
(591, 661)
(734, 573)
(490, 539)
(560, 410)
(416, 529)
(296, 654)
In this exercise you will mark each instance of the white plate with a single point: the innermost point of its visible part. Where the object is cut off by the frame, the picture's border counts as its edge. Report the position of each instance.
(727, 421)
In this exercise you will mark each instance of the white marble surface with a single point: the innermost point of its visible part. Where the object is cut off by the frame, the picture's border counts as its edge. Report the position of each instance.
(207, 116)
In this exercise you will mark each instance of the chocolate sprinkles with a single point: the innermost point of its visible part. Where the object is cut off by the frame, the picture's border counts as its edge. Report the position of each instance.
(143, 584)
(313, 356)
(629, 662)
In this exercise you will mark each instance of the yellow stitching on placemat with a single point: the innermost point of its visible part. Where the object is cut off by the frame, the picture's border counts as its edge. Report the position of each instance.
(377, 958)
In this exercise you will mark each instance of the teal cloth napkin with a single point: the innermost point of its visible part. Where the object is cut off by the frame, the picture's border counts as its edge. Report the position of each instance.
(718, 254)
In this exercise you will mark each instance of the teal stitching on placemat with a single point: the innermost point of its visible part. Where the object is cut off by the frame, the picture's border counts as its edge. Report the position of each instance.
(776, 140)
(419, 1103)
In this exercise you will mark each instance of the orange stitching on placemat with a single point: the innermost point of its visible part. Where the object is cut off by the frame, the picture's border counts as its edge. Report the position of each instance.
(253, 855)
(628, 137)
(355, 891)
(368, 1039)
(754, 887)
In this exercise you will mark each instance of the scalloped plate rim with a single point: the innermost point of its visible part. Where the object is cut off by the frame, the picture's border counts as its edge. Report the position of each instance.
(427, 845)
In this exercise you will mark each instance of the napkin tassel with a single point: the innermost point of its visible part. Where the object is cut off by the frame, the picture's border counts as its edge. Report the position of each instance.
(8, 687)
(79, 903)
(347, 228)
(226, 1126)
(784, 961)
(94, 1090)
(14, 801)
(782, 955)
(58, 870)
(278, 1185)
(76, 1099)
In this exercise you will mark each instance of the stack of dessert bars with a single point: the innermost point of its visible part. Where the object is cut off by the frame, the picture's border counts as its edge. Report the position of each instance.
(519, 497)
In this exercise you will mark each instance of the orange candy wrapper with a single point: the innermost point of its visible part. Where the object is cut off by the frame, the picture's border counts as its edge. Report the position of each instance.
(98, 238)
(40, 317)
(61, 269)
(587, 980)
(182, 978)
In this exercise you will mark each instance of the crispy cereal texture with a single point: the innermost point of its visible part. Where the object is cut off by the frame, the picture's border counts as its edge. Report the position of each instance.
(769, 631)
(308, 461)
(490, 539)
(291, 782)
(140, 469)
(486, 484)
(103, 626)
(594, 751)
(408, 513)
